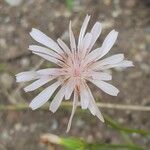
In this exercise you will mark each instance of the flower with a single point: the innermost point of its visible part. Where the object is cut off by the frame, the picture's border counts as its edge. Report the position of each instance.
(77, 65)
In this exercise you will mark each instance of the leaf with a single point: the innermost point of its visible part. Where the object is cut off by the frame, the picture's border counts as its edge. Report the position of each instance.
(69, 4)
(73, 143)
(116, 126)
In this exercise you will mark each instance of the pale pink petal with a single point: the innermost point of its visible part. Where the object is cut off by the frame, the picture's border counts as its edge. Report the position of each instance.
(75, 102)
(122, 64)
(44, 96)
(51, 71)
(84, 96)
(69, 88)
(57, 99)
(50, 58)
(106, 87)
(82, 32)
(109, 42)
(114, 59)
(93, 107)
(45, 40)
(100, 76)
(44, 50)
(72, 39)
(86, 43)
(40, 82)
(104, 49)
(96, 31)
(63, 46)
(26, 76)
(93, 56)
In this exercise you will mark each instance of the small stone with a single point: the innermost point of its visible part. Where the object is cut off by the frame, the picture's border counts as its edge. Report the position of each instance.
(6, 80)
(13, 2)
(145, 68)
(24, 23)
(54, 125)
(79, 123)
(18, 127)
(130, 3)
(65, 35)
(2, 43)
(107, 2)
(51, 27)
(25, 62)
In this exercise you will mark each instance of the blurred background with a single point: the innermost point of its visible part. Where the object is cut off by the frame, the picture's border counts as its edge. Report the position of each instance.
(20, 129)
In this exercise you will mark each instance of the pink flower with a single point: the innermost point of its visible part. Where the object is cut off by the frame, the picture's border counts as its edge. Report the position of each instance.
(77, 65)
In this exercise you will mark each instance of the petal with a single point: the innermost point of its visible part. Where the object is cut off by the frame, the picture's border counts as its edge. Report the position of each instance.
(75, 102)
(45, 40)
(104, 49)
(50, 58)
(93, 107)
(82, 31)
(44, 96)
(109, 42)
(57, 99)
(101, 76)
(26, 76)
(122, 64)
(40, 82)
(114, 59)
(86, 43)
(106, 87)
(72, 39)
(84, 96)
(51, 71)
(44, 50)
(69, 88)
(63, 46)
(96, 31)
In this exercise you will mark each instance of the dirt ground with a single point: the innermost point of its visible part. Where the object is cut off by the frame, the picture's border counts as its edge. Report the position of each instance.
(20, 130)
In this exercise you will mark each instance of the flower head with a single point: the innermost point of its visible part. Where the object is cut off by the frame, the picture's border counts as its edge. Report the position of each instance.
(76, 65)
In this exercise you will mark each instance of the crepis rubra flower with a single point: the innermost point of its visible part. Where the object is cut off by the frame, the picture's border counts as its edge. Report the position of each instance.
(77, 65)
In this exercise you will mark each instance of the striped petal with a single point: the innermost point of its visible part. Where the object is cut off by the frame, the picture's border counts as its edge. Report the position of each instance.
(108, 42)
(26, 76)
(72, 39)
(37, 84)
(50, 58)
(57, 99)
(45, 40)
(44, 96)
(44, 50)
(114, 59)
(122, 64)
(93, 107)
(86, 43)
(84, 96)
(106, 87)
(75, 102)
(82, 32)
(69, 88)
(101, 76)
(96, 31)
(63, 46)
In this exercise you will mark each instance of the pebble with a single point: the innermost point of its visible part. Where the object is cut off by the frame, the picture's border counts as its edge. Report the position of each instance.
(6, 80)
(145, 68)
(54, 125)
(3, 43)
(25, 62)
(13, 2)
(80, 123)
